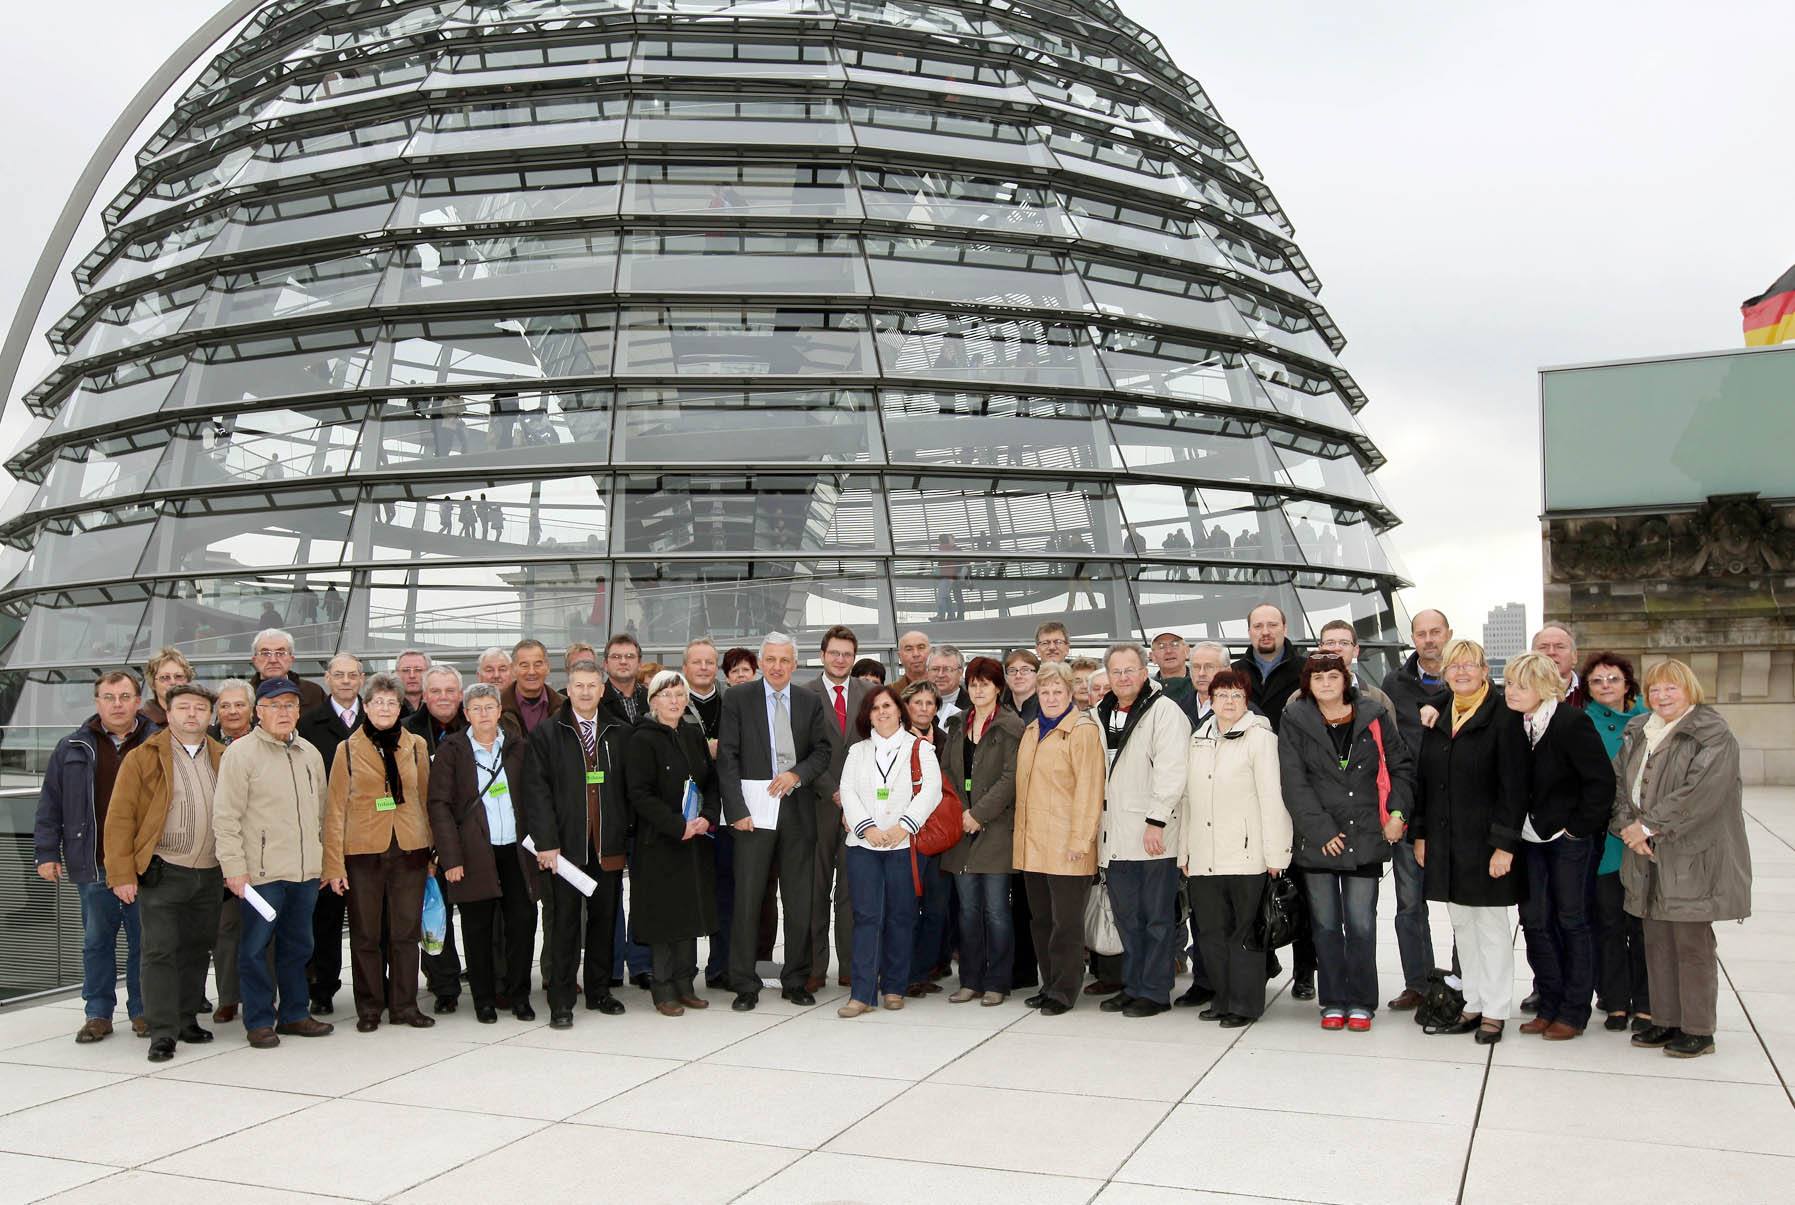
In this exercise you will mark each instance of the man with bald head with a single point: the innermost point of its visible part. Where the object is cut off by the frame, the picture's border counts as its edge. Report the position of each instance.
(1560, 647)
(913, 657)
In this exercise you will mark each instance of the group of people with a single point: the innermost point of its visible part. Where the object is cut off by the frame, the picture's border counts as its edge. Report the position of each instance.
(964, 810)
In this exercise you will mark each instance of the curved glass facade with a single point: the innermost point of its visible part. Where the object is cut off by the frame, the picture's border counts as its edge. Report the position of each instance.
(443, 323)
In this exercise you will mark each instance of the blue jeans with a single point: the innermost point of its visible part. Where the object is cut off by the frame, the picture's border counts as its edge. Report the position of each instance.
(931, 920)
(1555, 918)
(1144, 895)
(291, 933)
(987, 931)
(1343, 917)
(101, 917)
(884, 921)
(1414, 941)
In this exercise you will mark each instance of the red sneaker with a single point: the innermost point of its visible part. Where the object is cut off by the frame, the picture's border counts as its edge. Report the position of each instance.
(1333, 1020)
(1358, 1023)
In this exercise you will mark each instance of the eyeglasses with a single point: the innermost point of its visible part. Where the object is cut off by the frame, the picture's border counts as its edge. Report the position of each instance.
(1608, 680)
(1017, 671)
(1463, 667)
(261, 653)
(1232, 696)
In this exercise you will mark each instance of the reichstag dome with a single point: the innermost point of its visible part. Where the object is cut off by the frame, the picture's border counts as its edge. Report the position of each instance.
(442, 323)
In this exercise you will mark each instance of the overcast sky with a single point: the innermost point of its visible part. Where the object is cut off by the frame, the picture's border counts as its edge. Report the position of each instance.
(1483, 189)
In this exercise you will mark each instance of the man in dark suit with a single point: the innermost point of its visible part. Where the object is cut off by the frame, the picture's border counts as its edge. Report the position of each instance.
(842, 694)
(625, 701)
(326, 726)
(529, 699)
(436, 721)
(773, 733)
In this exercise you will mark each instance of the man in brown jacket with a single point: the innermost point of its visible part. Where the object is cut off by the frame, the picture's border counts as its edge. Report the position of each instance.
(160, 854)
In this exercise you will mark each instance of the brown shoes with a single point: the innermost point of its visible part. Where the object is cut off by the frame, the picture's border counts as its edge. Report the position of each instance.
(694, 1002)
(815, 983)
(311, 1027)
(1407, 1002)
(670, 1008)
(893, 1002)
(225, 1014)
(1102, 987)
(263, 1038)
(1536, 1026)
(853, 1008)
(414, 1018)
(140, 1026)
(1558, 1031)
(93, 1029)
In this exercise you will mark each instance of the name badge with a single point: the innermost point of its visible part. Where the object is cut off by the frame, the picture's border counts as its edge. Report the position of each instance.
(595, 777)
(385, 804)
(969, 786)
(884, 794)
(499, 790)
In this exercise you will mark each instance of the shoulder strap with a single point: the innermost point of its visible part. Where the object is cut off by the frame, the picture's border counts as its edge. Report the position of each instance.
(915, 765)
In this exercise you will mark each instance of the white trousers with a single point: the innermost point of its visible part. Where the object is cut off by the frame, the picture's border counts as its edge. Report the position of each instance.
(1486, 956)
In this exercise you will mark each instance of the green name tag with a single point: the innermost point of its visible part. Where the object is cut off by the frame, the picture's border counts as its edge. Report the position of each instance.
(385, 804)
(884, 794)
(969, 786)
(499, 790)
(595, 777)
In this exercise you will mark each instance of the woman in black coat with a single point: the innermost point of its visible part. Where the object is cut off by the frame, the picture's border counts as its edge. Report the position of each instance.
(673, 885)
(1338, 754)
(1570, 792)
(1469, 806)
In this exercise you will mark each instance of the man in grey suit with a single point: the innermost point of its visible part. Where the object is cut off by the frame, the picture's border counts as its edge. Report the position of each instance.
(771, 732)
(842, 694)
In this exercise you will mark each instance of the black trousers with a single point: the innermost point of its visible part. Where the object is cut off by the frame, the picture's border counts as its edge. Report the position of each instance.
(791, 847)
(1302, 947)
(180, 922)
(563, 938)
(1225, 906)
(1622, 980)
(1025, 968)
(442, 972)
(325, 972)
(674, 967)
(513, 914)
(1056, 914)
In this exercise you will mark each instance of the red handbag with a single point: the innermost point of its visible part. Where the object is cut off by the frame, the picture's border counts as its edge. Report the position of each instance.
(1383, 775)
(942, 830)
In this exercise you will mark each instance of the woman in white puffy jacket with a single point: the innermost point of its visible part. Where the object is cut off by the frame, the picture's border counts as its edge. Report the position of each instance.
(890, 784)
(1236, 834)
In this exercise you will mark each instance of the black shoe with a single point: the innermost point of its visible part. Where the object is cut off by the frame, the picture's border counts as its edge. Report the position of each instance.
(1035, 1001)
(1117, 1002)
(616, 982)
(444, 1004)
(1234, 1020)
(1194, 996)
(1462, 1025)
(1689, 1045)
(1615, 1023)
(322, 1006)
(1053, 1008)
(606, 1003)
(560, 1021)
(1487, 1036)
(193, 1035)
(1641, 1024)
(205, 1005)
(486, 1014)
(798, 996)
(1145, 1008)
(1302, 989)
(1657, 1035)
(1273, 968)
(1208, 1014)
(719, 982)
(640, 981)
(745, 1001)
(522, 1011)
(1531, 1003)
(163, 1049)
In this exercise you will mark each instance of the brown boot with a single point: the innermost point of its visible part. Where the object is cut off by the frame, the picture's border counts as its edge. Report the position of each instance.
(93, 1029)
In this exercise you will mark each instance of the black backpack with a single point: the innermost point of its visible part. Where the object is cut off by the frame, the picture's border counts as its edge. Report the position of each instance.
(1441, 1005)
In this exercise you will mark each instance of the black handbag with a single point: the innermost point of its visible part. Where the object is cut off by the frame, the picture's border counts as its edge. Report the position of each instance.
(1441, 1005)
(1281, 914)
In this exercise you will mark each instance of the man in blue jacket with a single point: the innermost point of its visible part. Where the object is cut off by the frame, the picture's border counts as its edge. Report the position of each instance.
(71, 821)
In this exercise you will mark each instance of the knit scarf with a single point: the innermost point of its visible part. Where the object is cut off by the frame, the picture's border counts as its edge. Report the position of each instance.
(387, 741)
(1049, 723)
(1465, 706)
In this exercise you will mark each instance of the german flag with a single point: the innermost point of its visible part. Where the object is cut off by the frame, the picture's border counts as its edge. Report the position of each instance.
(1770, 316)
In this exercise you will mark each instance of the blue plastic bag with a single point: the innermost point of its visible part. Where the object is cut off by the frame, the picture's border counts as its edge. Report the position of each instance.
(436, 917)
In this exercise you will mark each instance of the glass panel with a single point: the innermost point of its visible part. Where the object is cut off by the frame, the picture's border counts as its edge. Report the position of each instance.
(755, 513)
(1130, 292)
(506, 64)
(740, 190)
(575, 121)
(976, 603)
(1301, 394)
(330, 149)
(874, 64)
(475, 351)
(735, 58)
(738, 603)
(219, 617)
(456, 611)
(1142, 363)
(754, 342)
(504, 195)
(252, 535)
(362, 80)
(726, 261)
(1006, 431)
(741, 8)
(965, 135)
(138, 320)
(954, 271)
(1197, 604)
(556, 516)
(1146, 230)
(463, 270)
(1159, 517)
(58, 706)
(272, 366)
(1331, 468)
(92, 474)
(982, 203)
(1023, 351)
(1371, 615)
(948, 515)
(509, 430)
(262, 445)
(159, 252)
(671, 426)
(756, 122)
(86, 554)
(60, 633)
(904, 14)
(313, 217)
(1240, 526)
(125, 392)
(288, 292)
(1336, 540)
(1160, 439)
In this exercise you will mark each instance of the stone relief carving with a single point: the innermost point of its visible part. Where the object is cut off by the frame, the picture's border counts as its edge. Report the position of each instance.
(1729, 535)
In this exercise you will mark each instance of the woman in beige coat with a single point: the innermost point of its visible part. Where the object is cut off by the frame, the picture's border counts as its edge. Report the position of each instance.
(1236, 833)
(1678, 806)
(377, 848)
(1059, 805)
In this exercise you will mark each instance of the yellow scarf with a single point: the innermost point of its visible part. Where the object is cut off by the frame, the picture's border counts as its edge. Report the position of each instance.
(1465, 706)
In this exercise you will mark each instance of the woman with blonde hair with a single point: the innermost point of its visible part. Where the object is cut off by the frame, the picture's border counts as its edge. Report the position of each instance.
(1678, 806)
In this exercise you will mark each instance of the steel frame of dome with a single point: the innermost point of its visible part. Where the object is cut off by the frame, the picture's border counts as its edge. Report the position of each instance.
(735, 314)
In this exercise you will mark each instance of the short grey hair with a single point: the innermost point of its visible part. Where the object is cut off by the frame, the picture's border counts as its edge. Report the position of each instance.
(948, 650)
(585, 665)
(410, 653)
(1124, 646)
(481, 690)
(382, 684)
(237, 684)
(332, 663)
(441, 669)
(491, 653)
(665, 679)
(1054, 671)
(778, 640)
(1217, 645)
(276, 634)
